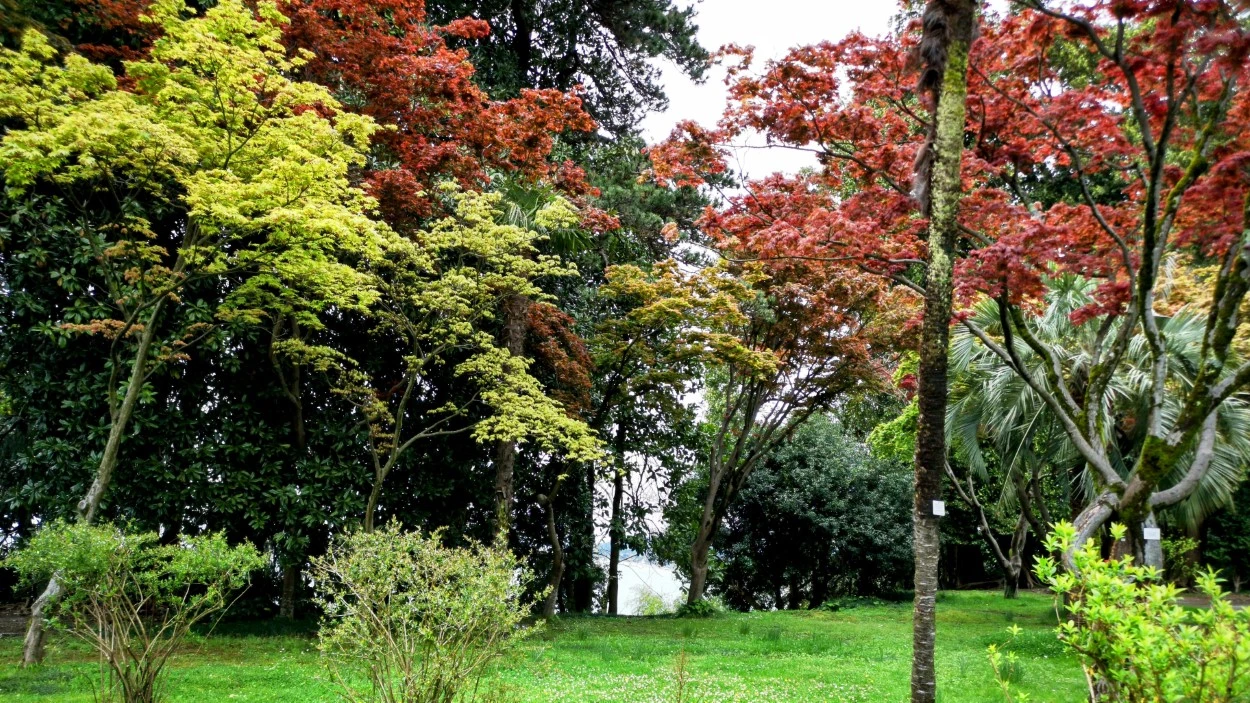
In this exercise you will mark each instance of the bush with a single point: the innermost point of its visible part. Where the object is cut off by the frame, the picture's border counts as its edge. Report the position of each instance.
(702, 608)
(821, 517)
(131, 598)
(651, 603)
(834, 605)
(408, 620)
(1134, 639)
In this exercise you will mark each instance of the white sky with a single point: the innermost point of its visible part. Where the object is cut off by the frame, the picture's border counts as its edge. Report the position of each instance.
(772, 27)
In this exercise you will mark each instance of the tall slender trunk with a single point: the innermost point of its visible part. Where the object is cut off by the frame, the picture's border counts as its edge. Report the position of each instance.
(949, 22)
(514, 309)
(290, 582)
(616, 528)
(557, 552)
(582, 547)
(33, 649)
(700, 548)
(293, 389)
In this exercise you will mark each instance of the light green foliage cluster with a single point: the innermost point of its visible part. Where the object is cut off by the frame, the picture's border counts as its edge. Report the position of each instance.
(1134, 638)
(408, 620)
(1007, 667)
(1179, 566)
(440, 290)
(649, 603)
(679, 318)
(895, 439)
(132, 598)
(214, 127)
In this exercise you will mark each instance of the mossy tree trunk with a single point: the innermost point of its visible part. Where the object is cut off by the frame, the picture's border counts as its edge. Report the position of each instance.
(951, 22)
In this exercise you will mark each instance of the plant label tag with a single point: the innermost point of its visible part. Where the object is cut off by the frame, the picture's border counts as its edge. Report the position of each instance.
(1152, 533)
(939, 508)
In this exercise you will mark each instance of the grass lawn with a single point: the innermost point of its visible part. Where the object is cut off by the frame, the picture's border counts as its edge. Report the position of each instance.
(861, 654)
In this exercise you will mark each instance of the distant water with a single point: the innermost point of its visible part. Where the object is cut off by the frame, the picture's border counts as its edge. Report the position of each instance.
(638, 576)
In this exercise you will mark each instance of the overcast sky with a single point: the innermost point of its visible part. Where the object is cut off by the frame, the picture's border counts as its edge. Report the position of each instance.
(771, 27)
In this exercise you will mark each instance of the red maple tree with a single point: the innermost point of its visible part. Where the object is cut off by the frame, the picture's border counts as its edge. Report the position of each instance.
(389, 63)
(1100, 137)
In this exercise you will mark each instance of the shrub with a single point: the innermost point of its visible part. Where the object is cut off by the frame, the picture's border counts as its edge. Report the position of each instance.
(702, 608)
(408, 620)
(1008, 670)
(651, 603)
(131, 598)
(1135, 640)
(1179, 568)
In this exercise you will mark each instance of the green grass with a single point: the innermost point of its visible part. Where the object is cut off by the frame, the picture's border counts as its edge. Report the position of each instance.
(859, 654)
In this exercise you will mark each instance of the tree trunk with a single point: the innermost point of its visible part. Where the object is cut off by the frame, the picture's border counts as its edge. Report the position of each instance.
(616, 536)
(293, 389)
(523, 40)
(557, 553)
(699, 553)
(949, 22)
(616, 528)
(33, 649)
(371, 507)
(582, 548)
(290, 582)
(1011, 583)
(1152, 550)
(794, 593)
(514, 309)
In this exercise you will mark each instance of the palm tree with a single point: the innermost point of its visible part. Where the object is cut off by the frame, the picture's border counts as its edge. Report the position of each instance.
(991, 408)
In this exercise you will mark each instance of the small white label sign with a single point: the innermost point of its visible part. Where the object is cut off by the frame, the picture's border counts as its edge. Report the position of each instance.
(939, 508)
(1152, 533)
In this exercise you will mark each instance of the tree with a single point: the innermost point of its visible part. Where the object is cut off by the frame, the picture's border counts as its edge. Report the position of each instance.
(944, 49)
(607, 48)
(1095, 147)
(256, 185)
(812, 343)
(668, 329)
(819, 518)
(437, 290)
(383, 58)
(992, 402)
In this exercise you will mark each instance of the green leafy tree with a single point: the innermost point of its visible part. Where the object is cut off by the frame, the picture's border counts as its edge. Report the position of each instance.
(255, 184)
(669, 328)
(608, 48)
(821, 517)
(437, 291)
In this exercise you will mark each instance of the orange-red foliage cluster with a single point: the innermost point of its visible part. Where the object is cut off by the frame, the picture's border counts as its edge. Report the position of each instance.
(1044, 104)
